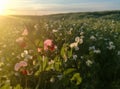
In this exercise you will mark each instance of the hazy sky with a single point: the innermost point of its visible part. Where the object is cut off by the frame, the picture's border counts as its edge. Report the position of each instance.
(41, 7)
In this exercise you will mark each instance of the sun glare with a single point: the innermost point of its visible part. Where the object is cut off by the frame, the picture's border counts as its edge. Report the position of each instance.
(3, 6)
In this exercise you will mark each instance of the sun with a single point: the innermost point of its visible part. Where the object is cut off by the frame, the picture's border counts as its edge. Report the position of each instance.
(3, 6)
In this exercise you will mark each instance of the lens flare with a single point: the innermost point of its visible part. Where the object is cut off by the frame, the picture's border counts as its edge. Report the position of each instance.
(3, 6)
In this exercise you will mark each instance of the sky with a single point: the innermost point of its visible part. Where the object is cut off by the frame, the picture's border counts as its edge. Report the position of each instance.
(43, 7)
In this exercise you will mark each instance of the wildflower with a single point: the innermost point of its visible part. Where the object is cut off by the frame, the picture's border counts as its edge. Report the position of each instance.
(26, 55)
(72, 45)
(52, 79)
(93, 37)
(51, 62)
(25, 32)
(81, 57)
(118, 53)
(110, 43)
(39, 50)
(19, 65)
(23, 63)
(92, 48)
(81, 41)
(74, 57)
(34, 62)
(36, 26)
(111, 47)
(77, 39)
(25, 51)
(59, 76)
(97, 51)
(48, 45)
(81, 33)
(89, 62)
(54, 31)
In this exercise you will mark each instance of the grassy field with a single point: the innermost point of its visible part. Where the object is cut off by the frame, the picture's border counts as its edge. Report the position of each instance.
(60, 51)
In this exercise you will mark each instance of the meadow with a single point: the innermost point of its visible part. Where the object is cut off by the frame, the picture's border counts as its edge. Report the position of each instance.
(60, 51)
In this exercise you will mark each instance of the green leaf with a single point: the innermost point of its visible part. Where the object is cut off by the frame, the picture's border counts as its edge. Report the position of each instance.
(45, 62)
(70, 53)
(76, 77)
(18, 87)
(68, 71)
(6, 86)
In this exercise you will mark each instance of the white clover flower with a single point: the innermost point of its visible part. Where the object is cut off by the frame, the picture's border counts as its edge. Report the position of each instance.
(92, 48)
(26, 52)
(71, 29)
(72, 45)
(89, 62)
(77, 39)
(36, 26)
(81, 33)
(22, 55)
(54, 30)
(81, 57)
(51, 62)
(81, 41)
(52, 79)
(81, 37)
(74, 57)
(118, 53)
(111, 47)
(26, 55)
(97, 51)
(59, 76)
(110, 43)
(93, 37)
